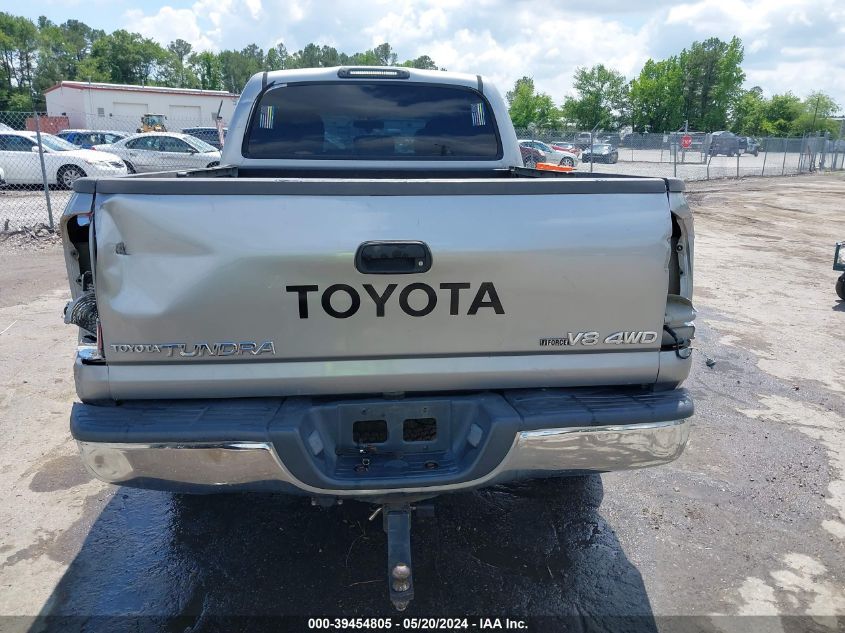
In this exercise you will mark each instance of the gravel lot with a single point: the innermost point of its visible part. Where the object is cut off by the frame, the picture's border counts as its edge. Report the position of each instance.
(27, 206)
(690, 166)
(749, 521)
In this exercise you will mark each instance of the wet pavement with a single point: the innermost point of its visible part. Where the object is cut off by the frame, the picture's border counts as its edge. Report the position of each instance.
(523, 549)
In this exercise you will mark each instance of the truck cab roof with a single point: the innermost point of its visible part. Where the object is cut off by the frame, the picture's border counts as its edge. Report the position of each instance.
(375, 116)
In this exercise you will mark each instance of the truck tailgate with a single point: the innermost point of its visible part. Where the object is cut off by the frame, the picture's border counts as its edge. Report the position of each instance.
(260, 294)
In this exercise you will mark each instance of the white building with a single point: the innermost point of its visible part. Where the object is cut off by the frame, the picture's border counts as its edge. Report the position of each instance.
(99, 106)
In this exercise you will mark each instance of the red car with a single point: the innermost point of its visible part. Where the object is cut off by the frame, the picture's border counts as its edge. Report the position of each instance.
(563, 146)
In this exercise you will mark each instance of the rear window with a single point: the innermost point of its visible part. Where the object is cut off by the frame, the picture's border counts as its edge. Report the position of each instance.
(373, 121)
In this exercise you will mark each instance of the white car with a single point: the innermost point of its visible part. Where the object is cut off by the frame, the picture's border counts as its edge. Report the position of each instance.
(63, 161)
(554, 156)
(163, 151)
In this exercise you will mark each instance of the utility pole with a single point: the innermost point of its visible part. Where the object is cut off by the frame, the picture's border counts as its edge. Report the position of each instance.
(41, 158)
(813, 126)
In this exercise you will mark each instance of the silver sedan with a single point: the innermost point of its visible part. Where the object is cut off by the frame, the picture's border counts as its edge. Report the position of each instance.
(163, 151)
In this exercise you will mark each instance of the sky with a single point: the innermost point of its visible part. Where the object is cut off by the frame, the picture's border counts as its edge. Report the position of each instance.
(796, 45)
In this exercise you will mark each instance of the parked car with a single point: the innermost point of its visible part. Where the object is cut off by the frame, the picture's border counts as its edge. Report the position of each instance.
(405, 324)
(601, 153)
(556, 157)
(207, 134)
(64, 162)
(87, 139)
(163, 151)
(610, 139)
(584, 140)
(531, 156)
(752, 146)
(566, 146)
(727, 143)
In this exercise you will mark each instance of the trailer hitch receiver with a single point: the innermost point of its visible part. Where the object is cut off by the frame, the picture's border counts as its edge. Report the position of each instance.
(400, 578)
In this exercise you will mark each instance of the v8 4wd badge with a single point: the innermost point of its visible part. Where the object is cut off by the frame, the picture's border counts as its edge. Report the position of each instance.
(593, 338)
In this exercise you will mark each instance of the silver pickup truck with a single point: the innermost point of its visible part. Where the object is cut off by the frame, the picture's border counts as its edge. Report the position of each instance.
(372, 299)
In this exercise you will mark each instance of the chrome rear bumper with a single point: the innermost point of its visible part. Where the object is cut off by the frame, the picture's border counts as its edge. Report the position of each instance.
(224, 466)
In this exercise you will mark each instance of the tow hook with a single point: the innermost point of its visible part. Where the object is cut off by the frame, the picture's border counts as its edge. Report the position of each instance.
(400, 577)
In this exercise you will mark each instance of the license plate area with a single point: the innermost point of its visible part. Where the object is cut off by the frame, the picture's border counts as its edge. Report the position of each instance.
(354, 443)
(393, 428)
(389, 439)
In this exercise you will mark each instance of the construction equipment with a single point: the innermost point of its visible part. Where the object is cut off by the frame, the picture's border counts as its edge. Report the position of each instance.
(152, 123)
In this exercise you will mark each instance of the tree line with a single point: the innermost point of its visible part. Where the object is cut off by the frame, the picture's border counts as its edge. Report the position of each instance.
(37, 55)
(699, 89)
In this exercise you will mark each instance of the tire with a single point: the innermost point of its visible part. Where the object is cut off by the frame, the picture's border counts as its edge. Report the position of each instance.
(68, 174)
(612, 159)
(529, 162)
(566, 161)
(840, 287)
(213, 163)
(756, 152)
(130, 167)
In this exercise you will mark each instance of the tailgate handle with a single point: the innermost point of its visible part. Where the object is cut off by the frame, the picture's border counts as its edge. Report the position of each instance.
(392, 258)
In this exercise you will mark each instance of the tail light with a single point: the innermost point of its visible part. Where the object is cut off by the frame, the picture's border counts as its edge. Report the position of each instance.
(101, 349)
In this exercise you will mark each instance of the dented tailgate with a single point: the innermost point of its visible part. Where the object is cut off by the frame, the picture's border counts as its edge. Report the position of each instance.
(259, 294)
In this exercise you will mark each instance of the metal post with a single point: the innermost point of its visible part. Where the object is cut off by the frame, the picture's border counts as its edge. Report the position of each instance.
(821, 146)
(43, 170)
(765, 154)
(783, 167)
(674, 150)
(737, 160)
(803, 153)
(812, 146)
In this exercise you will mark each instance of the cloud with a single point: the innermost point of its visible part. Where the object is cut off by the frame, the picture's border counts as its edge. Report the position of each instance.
(170, 24)
(790, 44)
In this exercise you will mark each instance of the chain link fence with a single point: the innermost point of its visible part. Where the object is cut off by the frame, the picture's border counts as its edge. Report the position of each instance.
(694, 155)
(41, 156)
